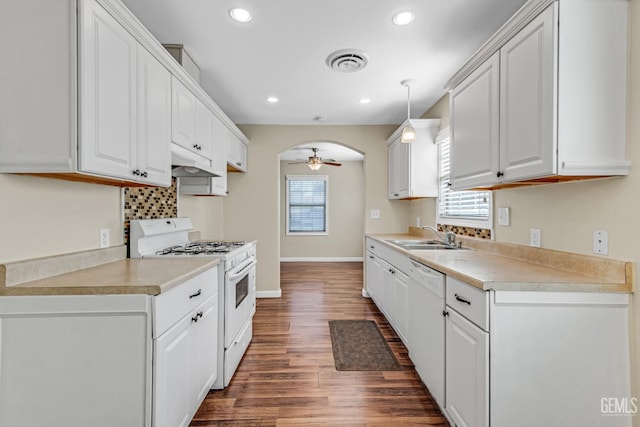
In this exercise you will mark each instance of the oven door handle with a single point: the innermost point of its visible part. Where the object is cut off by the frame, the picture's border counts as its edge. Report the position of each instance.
(242, 271)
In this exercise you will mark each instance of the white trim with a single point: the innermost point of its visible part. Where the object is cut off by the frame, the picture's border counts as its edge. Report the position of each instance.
(322, 259)
(269, 294)
(365, 293)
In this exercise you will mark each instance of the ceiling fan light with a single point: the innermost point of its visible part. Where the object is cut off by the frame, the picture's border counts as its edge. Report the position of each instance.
(240, 15)
(408, 134)
(314, 166)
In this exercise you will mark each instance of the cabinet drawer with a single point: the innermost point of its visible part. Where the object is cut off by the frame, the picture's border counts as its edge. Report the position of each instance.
(171, 306)
(469, 301)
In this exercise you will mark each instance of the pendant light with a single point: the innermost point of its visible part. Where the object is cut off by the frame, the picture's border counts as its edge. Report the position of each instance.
(408, 133)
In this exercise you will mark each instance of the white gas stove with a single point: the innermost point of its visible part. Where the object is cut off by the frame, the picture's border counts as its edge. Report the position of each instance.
(160, 238)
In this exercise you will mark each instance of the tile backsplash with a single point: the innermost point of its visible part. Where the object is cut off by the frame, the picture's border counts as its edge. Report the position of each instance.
(149, 203)
(481, 233)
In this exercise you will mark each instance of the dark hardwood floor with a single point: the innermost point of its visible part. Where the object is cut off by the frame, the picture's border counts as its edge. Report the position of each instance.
(287, 376)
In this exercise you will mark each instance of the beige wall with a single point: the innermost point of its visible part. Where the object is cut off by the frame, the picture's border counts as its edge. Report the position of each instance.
(252, 209)
(206, 213)
(346, 214)
(42, 217)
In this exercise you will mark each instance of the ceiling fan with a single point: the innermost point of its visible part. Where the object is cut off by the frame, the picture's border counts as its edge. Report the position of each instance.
(316, 162)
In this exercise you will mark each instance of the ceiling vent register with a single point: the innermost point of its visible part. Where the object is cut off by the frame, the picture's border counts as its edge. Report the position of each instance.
(347, 60)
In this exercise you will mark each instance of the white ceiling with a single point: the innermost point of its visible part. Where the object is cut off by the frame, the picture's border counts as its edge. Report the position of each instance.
(282, 53)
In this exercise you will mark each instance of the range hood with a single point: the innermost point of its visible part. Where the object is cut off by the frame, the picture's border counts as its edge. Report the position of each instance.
(184, 163)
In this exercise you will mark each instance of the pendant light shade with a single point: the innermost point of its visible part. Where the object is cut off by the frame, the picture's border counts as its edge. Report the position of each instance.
(408, 133)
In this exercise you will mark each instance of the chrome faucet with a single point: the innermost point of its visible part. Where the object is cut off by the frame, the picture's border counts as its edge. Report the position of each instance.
(449, 237)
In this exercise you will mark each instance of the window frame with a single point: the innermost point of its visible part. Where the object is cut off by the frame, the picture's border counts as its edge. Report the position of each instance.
(443, 137)
(324, 178)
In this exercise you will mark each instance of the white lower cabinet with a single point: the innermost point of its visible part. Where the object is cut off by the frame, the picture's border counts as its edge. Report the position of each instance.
(467, 372)
(185, 366)
(71, 361)
(109, 360)
(508, 358)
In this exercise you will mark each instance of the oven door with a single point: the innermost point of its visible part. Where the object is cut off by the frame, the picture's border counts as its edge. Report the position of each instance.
(239, 299)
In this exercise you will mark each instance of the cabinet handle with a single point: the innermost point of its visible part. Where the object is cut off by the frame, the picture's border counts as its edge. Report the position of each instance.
(200, 314)
(445, 313)
(392, 271)
(194, 319)
(197, 294)
(449, 184)
(372, 247)
(144, 174)
(396, 194)
(238, 163)
(197, 147)
(136, 172)
(462, 300)
(499, 174)
(371, 256)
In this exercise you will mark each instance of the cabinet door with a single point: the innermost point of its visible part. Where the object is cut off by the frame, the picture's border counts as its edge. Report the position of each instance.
(401, 305)
(219, 158)
(205, 349)
(426, 334)
(527, 110)
(154, 120)
(399, 170)
(203, 130)
(474, 126)
(183, 115)
(236, 152)
(387, 293)
(467, 372)
(172, 392)
(107, 95)
(374, 277)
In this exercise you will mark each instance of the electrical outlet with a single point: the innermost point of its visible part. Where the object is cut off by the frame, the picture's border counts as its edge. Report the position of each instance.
(375, 213)
(104, 237)
(534, 237)
(601, 242)
(503, 216)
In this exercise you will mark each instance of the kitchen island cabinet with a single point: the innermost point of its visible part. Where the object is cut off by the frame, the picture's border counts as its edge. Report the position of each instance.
(519, 113)
(127, 343)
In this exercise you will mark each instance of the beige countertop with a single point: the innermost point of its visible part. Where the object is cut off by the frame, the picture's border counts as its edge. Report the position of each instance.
(124, 276)
(487, 269)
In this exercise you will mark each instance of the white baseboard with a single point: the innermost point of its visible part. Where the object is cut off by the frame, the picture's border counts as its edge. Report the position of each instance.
(365, 293)
(269, 294)
(323, 259)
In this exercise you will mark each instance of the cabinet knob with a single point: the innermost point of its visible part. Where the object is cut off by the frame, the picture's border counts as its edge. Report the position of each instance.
(144, 174)
(445, 313)
(499, 174)
(396, 194)
(136, 172)
(238, 163)
(449, 184)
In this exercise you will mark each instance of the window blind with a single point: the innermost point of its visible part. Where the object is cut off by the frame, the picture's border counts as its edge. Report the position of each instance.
(307, 204)
(472, 205)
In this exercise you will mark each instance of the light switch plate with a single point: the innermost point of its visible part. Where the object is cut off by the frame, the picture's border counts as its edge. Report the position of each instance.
(504, 216)
(534, 237)
(601, 242)
(375, 213)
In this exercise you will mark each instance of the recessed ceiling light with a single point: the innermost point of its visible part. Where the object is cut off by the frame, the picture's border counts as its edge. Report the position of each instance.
(272, 99)
(404, 18)
(364, 100)
(240, 15)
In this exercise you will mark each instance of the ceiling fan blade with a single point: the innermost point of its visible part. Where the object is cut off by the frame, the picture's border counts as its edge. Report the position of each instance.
(324, 162)
(298, 163)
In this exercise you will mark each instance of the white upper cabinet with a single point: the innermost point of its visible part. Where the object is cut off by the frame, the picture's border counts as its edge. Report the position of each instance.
(474, 126)
(544, 100)
(154, 119)
(192, 121)
(236, 152)
(413, 167)
(124, 104)
(103, 108)
(107, 95)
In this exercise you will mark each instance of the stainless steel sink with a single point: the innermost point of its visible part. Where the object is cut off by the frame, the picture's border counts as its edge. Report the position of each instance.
(419, 245)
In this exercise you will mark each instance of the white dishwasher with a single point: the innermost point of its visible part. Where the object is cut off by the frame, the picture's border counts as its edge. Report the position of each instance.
(427, 326)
